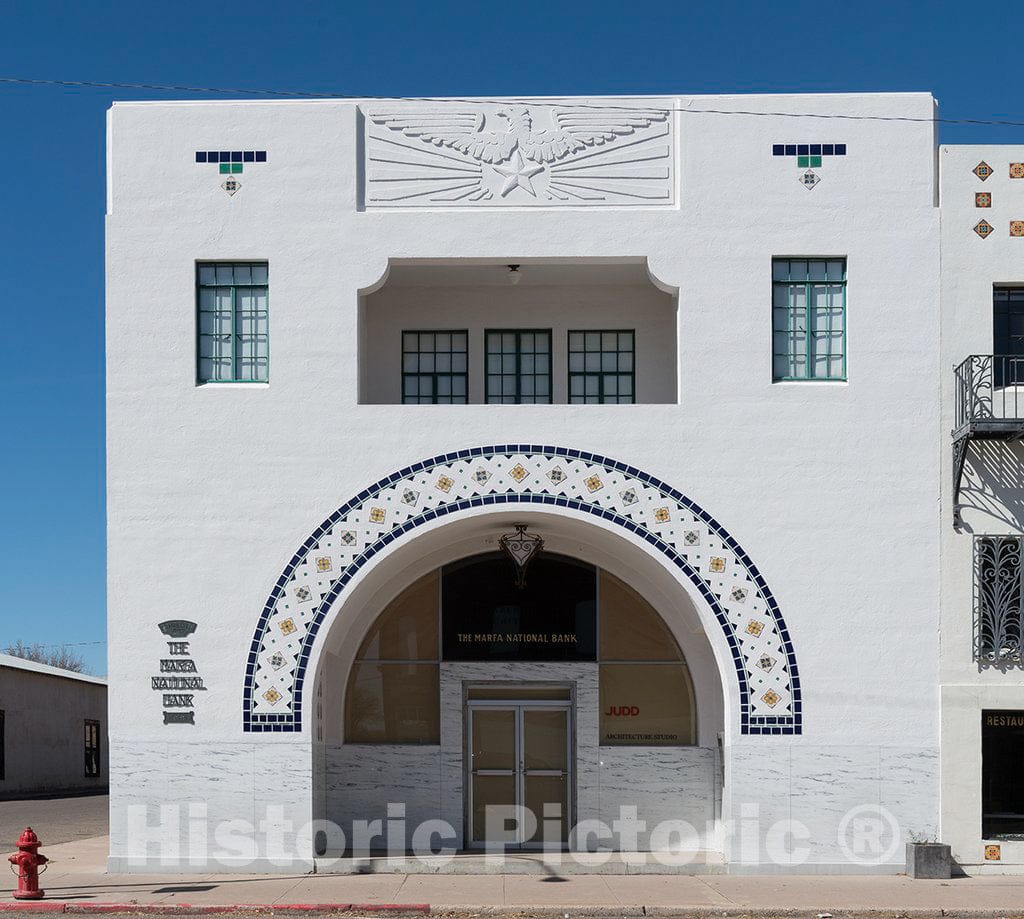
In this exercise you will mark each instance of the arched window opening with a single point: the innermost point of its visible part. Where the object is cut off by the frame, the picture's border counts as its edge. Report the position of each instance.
(470, 611)
(394, 687)
(644, 683)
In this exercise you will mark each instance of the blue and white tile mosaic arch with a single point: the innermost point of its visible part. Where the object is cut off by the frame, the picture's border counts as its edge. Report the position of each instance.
(762, 652)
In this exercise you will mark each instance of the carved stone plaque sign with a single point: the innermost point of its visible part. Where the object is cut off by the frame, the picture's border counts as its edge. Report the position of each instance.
(178, 681)
(529, 154)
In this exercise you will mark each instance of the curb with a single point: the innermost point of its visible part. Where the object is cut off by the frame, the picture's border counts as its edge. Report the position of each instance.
(519, 912)
(187, 909)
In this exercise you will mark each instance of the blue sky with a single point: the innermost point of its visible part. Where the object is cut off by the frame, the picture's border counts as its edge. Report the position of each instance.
(51, 228)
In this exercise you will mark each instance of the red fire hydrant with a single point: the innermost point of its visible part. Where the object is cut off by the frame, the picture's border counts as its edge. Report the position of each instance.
(28, 862)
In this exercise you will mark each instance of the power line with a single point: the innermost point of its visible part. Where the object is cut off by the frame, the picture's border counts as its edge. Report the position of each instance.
(68, 644)
(610, 107)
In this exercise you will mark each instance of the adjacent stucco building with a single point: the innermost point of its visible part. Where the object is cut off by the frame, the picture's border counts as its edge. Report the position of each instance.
(982, 194)
(351, 345)
(53, 730)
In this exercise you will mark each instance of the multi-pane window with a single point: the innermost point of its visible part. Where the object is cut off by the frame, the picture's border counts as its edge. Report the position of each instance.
(92, 748)
(234, 339)
(601, 367)
(518, 365)
(434, 367)
(809, 318)
(1008, 336)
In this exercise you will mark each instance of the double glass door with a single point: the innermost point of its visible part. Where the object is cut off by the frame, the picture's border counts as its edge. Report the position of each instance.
(520, 772)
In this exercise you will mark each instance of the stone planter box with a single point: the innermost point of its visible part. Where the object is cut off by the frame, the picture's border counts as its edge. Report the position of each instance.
(928, 861)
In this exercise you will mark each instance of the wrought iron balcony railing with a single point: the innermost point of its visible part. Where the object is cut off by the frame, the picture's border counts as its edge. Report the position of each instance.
(989, 393)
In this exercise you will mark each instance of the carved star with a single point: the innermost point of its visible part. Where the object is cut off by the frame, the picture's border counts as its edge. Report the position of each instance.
(518, 174)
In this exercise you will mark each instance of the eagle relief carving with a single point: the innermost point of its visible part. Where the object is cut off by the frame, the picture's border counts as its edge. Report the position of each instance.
(539, 154)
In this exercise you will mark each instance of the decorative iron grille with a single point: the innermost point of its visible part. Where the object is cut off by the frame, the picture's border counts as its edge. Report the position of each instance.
(997, 599)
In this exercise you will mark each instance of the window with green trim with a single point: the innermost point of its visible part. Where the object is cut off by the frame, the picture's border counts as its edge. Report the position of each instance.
(809, 318)
(601, 366)
(234, 341)
(518, 365)
(435, 367)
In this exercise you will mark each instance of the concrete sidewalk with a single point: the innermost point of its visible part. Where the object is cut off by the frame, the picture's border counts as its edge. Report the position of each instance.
(77, 876)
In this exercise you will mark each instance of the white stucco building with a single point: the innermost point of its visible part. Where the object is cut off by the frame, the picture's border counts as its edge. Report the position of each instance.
(353, 344)
(982, 194)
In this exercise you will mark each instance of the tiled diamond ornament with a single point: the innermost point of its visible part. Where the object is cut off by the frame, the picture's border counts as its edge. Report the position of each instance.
(276, 660)
(771, 698)
(444, 484)
(272, 696)
(983, 228)
(809, 179)
(231, 186)
(982, 170)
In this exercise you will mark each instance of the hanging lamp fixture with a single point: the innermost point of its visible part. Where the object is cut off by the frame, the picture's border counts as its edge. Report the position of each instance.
(521, 548)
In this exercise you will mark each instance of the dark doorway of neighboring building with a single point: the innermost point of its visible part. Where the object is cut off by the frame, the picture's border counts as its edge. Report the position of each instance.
(1002, 792)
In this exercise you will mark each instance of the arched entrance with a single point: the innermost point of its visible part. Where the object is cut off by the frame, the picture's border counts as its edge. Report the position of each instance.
(428, 775)
(536, 671)
(737, 603)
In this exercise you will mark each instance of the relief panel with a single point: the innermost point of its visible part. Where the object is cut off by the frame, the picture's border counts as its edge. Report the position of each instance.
(533, 154)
